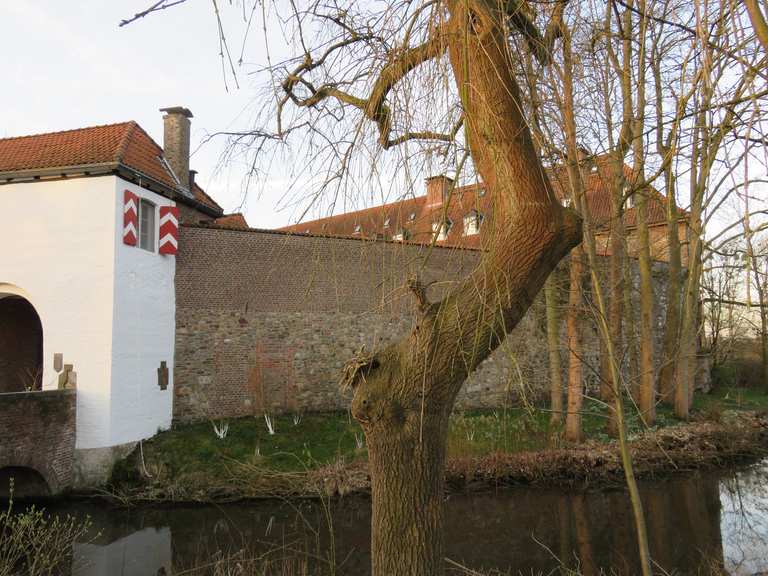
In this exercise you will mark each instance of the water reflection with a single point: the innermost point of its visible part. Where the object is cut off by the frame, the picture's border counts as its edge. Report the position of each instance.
(694, 523)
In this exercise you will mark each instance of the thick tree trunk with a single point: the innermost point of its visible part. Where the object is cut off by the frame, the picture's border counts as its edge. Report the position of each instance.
(617, 284)
(685, 373)
(575, 352)
(553, 347)
(630, 332)
(647, 402)
(674, 285)
(407, 484)
(405, 392)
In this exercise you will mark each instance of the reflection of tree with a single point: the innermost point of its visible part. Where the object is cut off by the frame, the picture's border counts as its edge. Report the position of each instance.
(583, 538)
(623, 548)
(564, 517)
(696, 509)
(659, 527)
(744, 523)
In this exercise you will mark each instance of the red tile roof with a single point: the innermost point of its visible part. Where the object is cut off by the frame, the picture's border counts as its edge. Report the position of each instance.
(125, 144)
(234, 221)
(417, 217)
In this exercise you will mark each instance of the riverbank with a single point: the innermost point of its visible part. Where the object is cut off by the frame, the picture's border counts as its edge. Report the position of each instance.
(324, 455)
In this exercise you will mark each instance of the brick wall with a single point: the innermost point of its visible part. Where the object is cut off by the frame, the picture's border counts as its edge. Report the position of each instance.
(265, 321)
(38, 432)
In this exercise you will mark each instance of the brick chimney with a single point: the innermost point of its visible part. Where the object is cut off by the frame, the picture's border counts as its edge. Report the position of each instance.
(437, 189)
(176, 142)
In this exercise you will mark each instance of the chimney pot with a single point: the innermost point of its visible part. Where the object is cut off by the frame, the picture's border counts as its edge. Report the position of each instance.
(176, 128)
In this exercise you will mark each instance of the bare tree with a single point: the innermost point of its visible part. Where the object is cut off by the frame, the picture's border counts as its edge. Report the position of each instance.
(397, 78)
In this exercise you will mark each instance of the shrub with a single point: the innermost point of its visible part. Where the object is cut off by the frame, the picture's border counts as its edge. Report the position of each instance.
(35, 543)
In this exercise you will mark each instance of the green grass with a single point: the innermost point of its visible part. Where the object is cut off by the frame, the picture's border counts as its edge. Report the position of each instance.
(317, 439)
(732, 398)
(194, 450)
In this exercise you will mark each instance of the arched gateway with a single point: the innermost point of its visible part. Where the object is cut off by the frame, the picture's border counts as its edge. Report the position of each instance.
(21, 342)
(37, 426)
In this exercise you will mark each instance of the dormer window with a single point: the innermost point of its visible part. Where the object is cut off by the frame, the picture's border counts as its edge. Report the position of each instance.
(358, 228)
(401, 236)
(146, 225)
(441, 229)
(472, 223)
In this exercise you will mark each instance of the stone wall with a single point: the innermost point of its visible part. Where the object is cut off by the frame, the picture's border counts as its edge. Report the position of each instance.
(38, 433)
(265, 321)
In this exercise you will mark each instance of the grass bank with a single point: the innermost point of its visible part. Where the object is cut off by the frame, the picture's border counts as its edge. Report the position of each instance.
(305, 455)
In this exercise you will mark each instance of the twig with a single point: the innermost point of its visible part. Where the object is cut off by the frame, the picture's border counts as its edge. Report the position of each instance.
(156, 7)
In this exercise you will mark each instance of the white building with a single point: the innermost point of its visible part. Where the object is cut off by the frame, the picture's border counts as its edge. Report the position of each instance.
(87, 243)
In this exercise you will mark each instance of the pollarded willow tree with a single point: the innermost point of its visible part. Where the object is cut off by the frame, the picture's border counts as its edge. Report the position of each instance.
(404, 394)
(352, 59)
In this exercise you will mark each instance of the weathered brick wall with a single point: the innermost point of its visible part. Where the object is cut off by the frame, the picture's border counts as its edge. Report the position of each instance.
(38, 432)
(265, 321)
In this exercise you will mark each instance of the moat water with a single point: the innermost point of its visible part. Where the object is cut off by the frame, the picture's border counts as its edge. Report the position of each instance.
(694, 521)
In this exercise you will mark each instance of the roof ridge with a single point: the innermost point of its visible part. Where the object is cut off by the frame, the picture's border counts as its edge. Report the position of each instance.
(68, 131)
(457, 190)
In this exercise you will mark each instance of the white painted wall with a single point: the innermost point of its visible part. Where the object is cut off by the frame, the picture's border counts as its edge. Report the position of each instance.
(57, 246)
(108, 307)
(144, 330)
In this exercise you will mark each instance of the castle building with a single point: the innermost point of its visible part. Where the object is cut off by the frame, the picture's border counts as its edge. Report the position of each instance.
(129, 300)
(89, 236)
(453, 216)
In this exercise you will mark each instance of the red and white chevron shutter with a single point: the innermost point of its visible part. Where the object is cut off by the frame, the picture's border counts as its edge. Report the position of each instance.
(169, 230)
(130, 218)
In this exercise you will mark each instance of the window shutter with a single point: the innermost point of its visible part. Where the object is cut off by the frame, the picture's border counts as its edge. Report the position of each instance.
(130, 218)
(169, 230)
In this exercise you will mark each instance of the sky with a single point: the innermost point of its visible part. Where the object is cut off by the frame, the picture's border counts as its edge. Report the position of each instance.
(67, 64)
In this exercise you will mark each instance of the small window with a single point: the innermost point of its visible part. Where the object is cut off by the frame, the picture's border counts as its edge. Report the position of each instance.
(147, 225)
(481, 191)
(472, 223)
(386, 222)
(401, 236)
(441, 229)
(358, 228)
(411, 216)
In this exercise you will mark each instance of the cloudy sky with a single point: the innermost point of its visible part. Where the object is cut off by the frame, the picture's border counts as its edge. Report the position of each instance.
(67, 64)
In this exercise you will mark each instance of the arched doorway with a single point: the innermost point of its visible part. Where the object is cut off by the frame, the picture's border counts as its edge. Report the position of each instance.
(21, 345)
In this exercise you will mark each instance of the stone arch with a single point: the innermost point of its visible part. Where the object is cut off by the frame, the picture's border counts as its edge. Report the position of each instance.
(27, 482)
(21, 341)
(27, 463)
